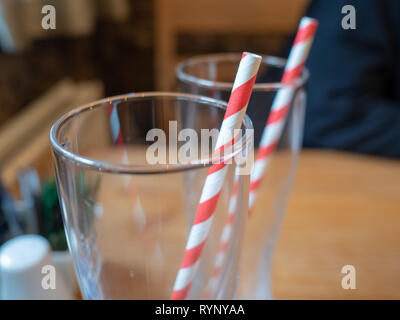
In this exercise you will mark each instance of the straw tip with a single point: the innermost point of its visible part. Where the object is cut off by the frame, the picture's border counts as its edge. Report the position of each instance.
(253, 55)
(308, 20)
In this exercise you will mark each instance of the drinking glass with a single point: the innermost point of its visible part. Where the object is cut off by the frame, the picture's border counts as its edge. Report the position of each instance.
(213, 76)
(129, 200)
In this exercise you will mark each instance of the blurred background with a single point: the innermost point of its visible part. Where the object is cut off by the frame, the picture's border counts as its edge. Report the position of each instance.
(126, 44)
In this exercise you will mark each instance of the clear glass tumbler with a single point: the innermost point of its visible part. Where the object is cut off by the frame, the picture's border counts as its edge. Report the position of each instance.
(212, 76)
(126, 215)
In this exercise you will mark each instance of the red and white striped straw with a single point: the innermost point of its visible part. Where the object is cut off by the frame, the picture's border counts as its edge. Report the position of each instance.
(276, 119)
(117, 139)
(225, 239)
(234, 114)
(115, 126)
(271, 134)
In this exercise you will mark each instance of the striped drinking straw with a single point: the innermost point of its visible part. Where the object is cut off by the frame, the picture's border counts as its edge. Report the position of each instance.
(116, 133)
(280, 106)
(271, 134)
(234, 114)
(117, 139)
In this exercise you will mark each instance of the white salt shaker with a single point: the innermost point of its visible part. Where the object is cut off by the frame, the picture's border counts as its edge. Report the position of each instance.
(27, 271)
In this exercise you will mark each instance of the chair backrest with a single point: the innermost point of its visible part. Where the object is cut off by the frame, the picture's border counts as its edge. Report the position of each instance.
(216, 17)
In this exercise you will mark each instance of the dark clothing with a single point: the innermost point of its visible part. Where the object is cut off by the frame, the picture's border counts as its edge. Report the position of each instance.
(353, 100)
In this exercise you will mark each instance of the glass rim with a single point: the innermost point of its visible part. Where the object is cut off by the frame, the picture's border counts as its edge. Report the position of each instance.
(123, 168)
(227, 86)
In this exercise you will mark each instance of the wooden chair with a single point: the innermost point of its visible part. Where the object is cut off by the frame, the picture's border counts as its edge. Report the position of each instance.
(173, 17)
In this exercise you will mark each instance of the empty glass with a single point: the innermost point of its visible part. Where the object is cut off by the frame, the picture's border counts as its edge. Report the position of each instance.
(128, 201)
(213, 76)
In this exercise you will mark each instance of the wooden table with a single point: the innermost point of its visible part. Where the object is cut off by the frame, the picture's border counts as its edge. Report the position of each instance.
(343, 210)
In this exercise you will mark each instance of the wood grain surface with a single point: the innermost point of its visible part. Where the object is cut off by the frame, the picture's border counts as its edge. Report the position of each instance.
(344, 209)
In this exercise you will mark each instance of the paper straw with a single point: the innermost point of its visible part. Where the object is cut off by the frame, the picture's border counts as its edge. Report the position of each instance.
(234, 114)
(225, 240)
(116, 133)
(115, 126)
(271, 134)
(277, 117)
